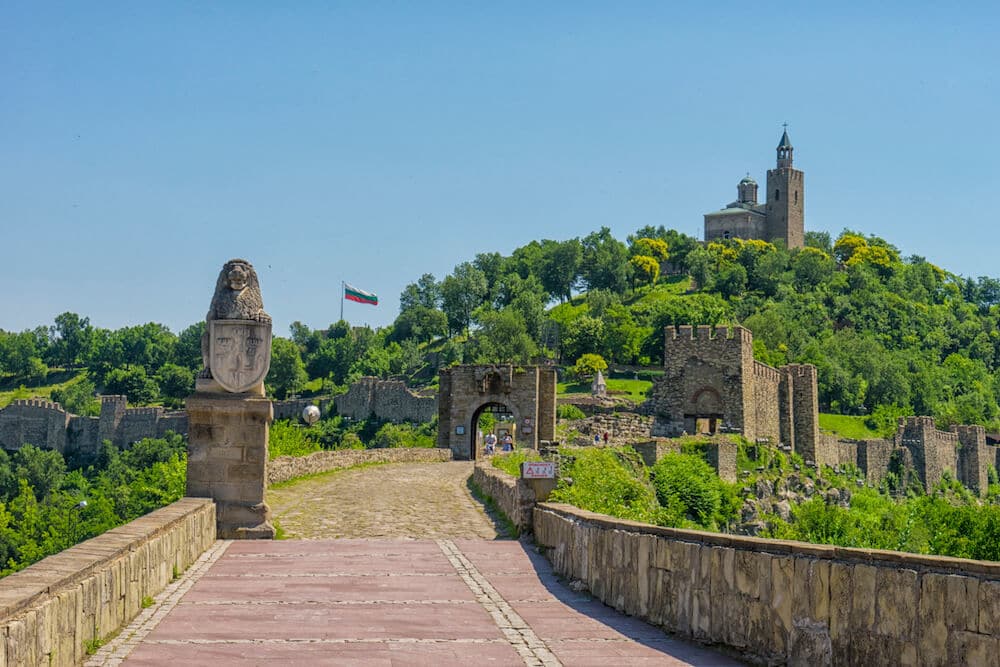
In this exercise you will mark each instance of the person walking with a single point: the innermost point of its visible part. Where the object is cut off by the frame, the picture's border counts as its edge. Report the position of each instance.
(491, 443)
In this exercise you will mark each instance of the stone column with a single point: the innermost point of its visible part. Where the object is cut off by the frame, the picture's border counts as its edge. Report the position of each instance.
(227, 460)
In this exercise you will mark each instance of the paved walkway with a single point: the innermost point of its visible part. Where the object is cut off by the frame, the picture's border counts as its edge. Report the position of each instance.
(455, 600)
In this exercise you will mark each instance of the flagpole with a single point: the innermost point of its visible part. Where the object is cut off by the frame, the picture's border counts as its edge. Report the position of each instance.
(342, 289)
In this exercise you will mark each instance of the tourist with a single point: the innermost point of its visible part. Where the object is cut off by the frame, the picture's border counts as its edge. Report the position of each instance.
(606, 437)
(491, 443)
(597, 438)
(508, 443)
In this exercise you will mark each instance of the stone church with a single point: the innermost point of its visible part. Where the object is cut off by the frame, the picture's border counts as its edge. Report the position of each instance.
(780, 218)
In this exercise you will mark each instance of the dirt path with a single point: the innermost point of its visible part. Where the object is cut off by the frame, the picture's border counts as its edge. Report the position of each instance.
(416, 500)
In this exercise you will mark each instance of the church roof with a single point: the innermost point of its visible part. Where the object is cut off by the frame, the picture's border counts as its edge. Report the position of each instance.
(732, 210)
(747, 179)
(785, 141)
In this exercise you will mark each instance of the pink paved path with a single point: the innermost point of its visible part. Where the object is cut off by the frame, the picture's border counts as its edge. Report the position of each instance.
(388, 602)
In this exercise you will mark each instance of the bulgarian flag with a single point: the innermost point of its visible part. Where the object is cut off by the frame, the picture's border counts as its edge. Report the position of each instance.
(359, 295)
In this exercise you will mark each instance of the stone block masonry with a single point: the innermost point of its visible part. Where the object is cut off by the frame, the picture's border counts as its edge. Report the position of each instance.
(780, 602)
(227, 461)
(49, 610)
(512, 495)
(712, 384)
(388, 400)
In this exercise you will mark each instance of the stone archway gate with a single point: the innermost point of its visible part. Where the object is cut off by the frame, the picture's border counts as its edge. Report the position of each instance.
(528, 391)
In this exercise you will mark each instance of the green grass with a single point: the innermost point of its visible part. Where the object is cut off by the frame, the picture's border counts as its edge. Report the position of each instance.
(670, 286)
(634, 390)
(58, 379)
(846, 426)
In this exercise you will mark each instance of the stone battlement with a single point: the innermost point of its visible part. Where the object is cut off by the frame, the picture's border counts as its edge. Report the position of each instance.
(766, 372)
(143, 411)
(704, 333)
(37, 403)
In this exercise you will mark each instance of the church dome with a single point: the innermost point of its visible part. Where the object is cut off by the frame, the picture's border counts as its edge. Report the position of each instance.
(748, 181)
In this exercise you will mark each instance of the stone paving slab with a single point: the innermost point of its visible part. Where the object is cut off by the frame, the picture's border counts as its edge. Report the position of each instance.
(395, 602)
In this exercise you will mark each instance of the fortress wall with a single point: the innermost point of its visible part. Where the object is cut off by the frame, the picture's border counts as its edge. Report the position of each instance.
(766, 381)
(780, 602)
(873, 459)
(136, 424)
(87, 592)
(176, 422)
(805, 408)
(973, 457)
(35, 422)
(292, 408)
(82, 436)
(390, 400)
(932, 451)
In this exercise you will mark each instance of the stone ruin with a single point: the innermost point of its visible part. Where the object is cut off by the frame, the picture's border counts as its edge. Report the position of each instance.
(713, 385)
(47, 425)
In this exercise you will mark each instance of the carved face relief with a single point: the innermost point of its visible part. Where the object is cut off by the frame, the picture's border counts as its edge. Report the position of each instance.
(237, 278)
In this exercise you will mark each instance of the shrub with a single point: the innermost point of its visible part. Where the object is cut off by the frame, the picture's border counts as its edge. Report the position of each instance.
(290, 439)
(607, 480)
(511, 462)
(686, 481)
(569, 411)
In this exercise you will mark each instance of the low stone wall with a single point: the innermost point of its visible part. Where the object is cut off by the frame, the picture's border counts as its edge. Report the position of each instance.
(782, 602)
(285, 468)
(512, 495)
(50, 609)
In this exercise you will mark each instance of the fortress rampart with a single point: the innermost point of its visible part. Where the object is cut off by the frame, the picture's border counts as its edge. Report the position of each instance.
(48, 426)
(390, 400)
(712, 384)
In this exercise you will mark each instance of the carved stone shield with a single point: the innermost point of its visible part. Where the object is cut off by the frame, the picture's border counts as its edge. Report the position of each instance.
(240, 353)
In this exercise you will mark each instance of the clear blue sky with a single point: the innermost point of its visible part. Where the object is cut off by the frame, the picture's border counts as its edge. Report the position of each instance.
(143, 144)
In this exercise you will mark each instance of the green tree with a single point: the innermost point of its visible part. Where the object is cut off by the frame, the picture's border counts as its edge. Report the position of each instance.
(78, 398)
(605, 262)
(288, 373)
(71, 338)
(502, 337)
(132, 382)
(176, 383)
(461, 293)
(589, 365)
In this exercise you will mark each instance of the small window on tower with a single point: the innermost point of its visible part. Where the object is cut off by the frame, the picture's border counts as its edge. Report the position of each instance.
(777, 195)
(796, 196)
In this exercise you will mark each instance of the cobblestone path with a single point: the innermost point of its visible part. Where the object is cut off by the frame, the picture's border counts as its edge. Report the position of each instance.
(416, 576)
(417, 500)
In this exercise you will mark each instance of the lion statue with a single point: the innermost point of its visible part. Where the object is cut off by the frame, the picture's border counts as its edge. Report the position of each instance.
(237, 297)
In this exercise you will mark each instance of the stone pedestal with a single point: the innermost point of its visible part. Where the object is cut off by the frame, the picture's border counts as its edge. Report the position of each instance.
(227, 461)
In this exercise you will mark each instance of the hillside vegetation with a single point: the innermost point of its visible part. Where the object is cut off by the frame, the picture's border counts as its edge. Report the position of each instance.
(889, 335)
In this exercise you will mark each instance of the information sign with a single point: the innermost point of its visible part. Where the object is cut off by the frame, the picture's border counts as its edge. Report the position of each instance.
(538, 470)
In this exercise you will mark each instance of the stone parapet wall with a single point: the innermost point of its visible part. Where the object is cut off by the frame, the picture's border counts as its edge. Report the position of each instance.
(512, 495)
(50, 609)
(284, 468)
(782, 602)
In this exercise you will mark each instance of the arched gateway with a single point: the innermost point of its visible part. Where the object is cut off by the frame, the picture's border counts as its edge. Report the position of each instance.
(527, 393)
